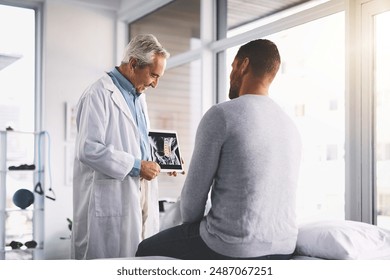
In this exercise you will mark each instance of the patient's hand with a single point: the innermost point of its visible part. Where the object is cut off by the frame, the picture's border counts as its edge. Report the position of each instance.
(174, 173)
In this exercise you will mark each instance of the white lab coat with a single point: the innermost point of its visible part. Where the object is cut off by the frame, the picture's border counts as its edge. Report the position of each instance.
(107, 216)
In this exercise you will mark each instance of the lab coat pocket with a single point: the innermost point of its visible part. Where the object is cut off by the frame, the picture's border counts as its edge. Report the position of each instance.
(108, 198)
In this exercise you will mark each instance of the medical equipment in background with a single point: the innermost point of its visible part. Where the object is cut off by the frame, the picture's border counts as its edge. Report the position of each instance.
(23, 198)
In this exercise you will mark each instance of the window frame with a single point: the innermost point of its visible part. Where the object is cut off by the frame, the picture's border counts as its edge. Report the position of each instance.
(361, 69)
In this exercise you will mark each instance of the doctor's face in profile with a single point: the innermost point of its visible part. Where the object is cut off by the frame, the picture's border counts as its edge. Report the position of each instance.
(149, 75)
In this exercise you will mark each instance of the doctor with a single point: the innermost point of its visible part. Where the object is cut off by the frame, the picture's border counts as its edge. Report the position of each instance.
(115, 200)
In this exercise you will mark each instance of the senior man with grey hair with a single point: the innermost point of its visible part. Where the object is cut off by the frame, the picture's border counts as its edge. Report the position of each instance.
(114, 181)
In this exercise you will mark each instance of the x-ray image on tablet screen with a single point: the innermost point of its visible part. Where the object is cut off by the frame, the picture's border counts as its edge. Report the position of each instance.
(164, 147)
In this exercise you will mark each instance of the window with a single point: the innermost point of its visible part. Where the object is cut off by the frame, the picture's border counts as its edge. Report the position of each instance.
(17, 112)
(17, 68)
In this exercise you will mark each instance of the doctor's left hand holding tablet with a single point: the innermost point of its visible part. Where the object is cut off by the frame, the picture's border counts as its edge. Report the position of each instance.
(149, 170)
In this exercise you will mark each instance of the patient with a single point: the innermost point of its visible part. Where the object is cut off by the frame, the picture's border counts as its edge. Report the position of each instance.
(247, 153)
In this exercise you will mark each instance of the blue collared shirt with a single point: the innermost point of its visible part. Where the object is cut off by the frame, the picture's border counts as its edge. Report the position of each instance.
(132, 99)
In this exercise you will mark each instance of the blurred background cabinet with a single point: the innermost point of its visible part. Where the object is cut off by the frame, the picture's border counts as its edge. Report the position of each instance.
(22, 157)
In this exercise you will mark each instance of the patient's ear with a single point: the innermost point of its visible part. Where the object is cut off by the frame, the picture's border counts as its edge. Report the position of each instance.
(245, 66)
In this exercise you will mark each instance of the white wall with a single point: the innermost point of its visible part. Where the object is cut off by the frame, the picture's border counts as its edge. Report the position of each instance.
(79, 45)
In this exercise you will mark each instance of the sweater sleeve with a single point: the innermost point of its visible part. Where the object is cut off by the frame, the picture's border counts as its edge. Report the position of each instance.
(203, 166)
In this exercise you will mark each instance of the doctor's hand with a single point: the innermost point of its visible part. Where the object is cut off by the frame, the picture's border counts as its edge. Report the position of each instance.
(149, 170)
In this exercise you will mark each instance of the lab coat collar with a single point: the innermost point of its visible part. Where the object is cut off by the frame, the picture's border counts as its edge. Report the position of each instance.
(124, 82)
(117, 97)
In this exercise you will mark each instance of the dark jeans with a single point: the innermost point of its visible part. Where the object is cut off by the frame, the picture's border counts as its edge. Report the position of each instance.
(184, 242)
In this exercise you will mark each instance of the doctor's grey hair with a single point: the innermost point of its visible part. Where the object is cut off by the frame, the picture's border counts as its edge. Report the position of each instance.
(142, 48)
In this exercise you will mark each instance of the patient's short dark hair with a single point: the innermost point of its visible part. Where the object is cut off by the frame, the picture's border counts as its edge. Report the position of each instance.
(263, 55)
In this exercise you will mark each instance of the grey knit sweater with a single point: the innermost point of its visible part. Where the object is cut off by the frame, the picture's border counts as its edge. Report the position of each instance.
(248, 151)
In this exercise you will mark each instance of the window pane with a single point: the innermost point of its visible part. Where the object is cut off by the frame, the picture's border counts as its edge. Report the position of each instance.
(17, 62)
(17, 112)
(382, 95)
(177, 26)
(310, 87)
(176, 105)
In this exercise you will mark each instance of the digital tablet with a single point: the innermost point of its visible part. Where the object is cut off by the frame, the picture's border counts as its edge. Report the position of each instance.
(165, 150)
